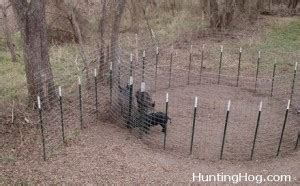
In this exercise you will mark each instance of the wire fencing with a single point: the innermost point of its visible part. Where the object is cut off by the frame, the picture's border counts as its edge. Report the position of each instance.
(204, 100)
(259, 87)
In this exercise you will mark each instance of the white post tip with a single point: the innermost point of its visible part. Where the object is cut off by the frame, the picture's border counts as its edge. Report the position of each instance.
(228, 106)
(258, 54)
(196, 101)
(130, 80)
(167, 97)
(144, 53)
(191, 48)
(143, 87)
(296, 64)
(222, 48)
(131, 57)
(288, 106)
(240, 49)
(110, 68)
(95, 72)
(79, 80)
(39, 102)
(203, 47)
(260, 106)
(157, 50)
(59, 91)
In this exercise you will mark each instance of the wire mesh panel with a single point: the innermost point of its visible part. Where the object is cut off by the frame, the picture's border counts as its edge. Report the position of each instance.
(215, 74)
(130, 89)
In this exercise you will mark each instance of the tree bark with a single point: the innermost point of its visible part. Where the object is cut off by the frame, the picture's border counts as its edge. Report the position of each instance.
(241, 5)
(81, 47)
(261, 5)
(120, 4)
(101, 45)
(7, 34)
(31, 19)
(293, 4)
(147, 20)
(215, 20)
(228, 13)
(134, 15)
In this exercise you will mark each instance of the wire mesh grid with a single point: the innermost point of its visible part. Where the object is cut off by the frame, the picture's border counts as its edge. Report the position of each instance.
(244, 75)
(132, 88)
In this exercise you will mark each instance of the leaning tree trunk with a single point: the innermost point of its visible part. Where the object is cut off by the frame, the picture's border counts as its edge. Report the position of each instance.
(7, 34)
(31, 18)
(115, 30)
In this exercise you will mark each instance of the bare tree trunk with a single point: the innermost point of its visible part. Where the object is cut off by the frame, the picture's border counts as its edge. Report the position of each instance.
(31, 19)
(204, 6)
(81, 47)
(147, 21)
(7, 34)
(228, 13)
(120, 4)
(172, 6)
(261, 5)
(293, 4)
(134, 15)
(241, 5)
(215, 20)
(101, 46)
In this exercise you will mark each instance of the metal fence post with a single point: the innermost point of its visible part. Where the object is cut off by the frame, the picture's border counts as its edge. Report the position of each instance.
(225, 129)
(42, 127)
(96, 92)
(257, 70)
(193, 128)
(256, 130)
(119, 72)
(156, 63)
(293, 84)
(190, 64)
(131, 65)
(61, 113)
(143, 69)
(110, 83)
(167, 106)
(273, 78)
(201, 63)
(220, 64)
(129, 124)
(283, 127)
(239, 67)
(297, 140)
(80, 103)
(144, 127)
(170, 70)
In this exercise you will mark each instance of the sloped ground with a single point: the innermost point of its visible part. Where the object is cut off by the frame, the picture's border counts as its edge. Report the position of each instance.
(109, 154)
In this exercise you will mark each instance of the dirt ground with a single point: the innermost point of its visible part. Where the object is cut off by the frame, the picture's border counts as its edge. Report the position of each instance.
(210, 121)
(107, 153)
